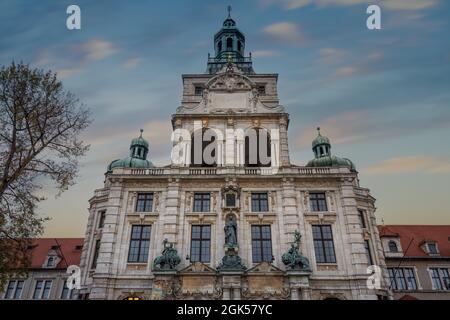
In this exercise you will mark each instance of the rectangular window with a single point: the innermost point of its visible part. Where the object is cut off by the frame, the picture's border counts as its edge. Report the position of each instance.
(440, 278)
(139, 243)
(260, 202)
(318, 201)
(38, 289)
(101, 219)
(51, 261)
(262, 90)
(144, 202)
(261, 244)
(14, 289)
(432, 248)
(323, 244)
(402, 278)
(42, 289)
(198, 90)
(230, 200)
(66, 293)
(46, 290)
(200, 243)
(95, 257)
(362, 219)
(368, 252)
(201, 202)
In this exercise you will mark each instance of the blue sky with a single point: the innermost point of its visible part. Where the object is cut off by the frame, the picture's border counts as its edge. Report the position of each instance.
(382, 97)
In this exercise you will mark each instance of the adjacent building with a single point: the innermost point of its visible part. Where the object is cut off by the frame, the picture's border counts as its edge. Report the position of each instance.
(47, 274)
(418, 260)
(231, 217)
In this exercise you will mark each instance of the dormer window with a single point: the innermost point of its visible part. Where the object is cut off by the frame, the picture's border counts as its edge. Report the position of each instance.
(432, 248)
(392, 246)
(51, 262)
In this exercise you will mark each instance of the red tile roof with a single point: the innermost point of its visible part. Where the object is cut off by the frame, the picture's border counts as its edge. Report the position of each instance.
(67, 251)
(419, 234)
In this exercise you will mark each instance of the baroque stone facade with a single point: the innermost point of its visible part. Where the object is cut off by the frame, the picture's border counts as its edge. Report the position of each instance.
(301, 232)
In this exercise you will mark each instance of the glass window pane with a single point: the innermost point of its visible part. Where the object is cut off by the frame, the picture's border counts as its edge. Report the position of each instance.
(37, 289)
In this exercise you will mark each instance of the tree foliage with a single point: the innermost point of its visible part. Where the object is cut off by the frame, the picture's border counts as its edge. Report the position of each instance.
(40, 125)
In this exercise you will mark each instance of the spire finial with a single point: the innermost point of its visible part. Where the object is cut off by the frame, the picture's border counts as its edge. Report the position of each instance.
(318, 131)
(229, 11)
(142, 130)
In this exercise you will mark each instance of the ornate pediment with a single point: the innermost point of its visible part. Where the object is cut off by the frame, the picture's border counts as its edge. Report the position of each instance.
(230, 82)
(198, 267)
(265, 267)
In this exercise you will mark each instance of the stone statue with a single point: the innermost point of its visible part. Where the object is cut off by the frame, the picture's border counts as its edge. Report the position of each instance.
(293, 259)
(168, 260)
(230, 232)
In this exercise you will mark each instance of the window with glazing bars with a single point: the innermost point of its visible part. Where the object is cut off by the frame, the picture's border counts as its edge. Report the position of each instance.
(318, 201)
(402, 278)
(139, 243)
(144, 202)
(200, 243)
(440, 278)
(260, 202)
(201, 202)
(323, 244)
(261, 243)
(14, 289)
(42, 289)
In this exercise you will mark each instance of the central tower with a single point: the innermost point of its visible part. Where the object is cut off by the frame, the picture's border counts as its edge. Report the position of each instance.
(240, 108)
(229, 43)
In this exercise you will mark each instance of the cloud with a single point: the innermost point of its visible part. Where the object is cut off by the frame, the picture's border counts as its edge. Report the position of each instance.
(96, 49)
(342, 128)
(331, 55)
(346, 71)
(157, 132)
(410, 164)
(69, 60)
(287, 32)
(388, 4)
(265, 53)
(409, 4)
(65, 73)
(132, 63)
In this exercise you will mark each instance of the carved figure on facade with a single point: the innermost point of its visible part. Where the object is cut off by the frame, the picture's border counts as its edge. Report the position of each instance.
(293, 259)
(168, 260)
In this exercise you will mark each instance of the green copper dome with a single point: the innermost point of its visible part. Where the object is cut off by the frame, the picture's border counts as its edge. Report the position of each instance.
(137, 157)
(320, 140)
(139, 141)
(321, 147)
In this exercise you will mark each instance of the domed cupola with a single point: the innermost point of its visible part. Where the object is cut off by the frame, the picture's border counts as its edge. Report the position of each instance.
(138, 156)
(321, 147)
(229, 43)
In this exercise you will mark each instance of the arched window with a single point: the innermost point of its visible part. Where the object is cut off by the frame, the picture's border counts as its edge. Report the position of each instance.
(203, 148)
(229, 43)
(257, 148)
(239, 46)
(393, 246)
(219, 45)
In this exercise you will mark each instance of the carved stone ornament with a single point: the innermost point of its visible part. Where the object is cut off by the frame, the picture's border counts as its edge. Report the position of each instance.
(231, 261)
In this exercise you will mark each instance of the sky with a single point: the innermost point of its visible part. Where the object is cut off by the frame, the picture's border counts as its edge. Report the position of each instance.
(381, 96)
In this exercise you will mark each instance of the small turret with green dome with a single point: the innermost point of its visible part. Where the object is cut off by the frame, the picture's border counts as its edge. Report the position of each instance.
(321, 147)
(137, 157)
